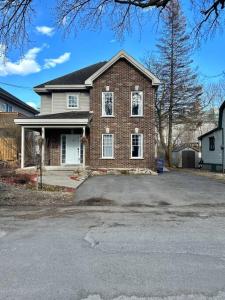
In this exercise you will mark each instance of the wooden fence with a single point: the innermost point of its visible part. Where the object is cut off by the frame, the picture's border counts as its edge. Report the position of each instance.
(8, 148)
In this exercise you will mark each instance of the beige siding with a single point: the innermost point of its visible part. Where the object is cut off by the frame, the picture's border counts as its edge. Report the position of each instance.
(60, 102)
(46, 104)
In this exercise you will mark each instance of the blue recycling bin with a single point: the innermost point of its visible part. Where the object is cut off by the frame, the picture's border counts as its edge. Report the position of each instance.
(159, 165)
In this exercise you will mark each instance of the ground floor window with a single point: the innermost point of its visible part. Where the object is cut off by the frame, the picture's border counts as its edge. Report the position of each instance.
(136, 146)
(107, 146)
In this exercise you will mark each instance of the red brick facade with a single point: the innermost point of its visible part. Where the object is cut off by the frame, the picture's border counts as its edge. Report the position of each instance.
(122, 77)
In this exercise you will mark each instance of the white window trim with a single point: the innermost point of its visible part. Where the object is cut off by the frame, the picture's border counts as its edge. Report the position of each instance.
(78, 101)
(131, 146)
(112, 146)
(112, 115)
(142, 110)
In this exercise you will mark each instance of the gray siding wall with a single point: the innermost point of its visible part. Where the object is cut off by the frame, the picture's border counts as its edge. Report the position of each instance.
(15, 108)
(57, 102)
(46, 104)
(60, 102)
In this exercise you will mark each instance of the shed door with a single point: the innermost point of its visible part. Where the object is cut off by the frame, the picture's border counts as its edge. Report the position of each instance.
(188, 159)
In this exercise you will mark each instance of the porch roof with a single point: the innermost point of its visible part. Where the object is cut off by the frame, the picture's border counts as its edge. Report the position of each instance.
(66, 118)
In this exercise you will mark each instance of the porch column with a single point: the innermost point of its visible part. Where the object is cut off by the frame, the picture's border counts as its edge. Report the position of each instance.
(83, 148)
(22, 146)
(43, 146)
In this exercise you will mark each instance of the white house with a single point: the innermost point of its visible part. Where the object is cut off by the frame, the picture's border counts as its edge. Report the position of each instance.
(212, 145)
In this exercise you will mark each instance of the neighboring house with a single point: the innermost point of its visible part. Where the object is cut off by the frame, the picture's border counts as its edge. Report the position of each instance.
(212, 145)
(10, 108)
(100, 116)
(186, 156)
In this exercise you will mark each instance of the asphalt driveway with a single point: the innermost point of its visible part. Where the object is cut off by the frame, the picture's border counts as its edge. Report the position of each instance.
(173, 188)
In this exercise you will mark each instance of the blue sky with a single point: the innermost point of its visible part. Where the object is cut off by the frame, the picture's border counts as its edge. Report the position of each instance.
(50, 55)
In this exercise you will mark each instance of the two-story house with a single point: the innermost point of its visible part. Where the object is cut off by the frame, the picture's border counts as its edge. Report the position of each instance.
(100, 116)
(10, 108)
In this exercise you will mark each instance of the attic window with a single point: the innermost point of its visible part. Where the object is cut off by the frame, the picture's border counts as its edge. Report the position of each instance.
(212, 143)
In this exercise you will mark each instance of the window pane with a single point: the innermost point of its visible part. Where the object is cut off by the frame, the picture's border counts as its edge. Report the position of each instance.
(107, 145)
(107, 104)
(136, 145)
(137, 103)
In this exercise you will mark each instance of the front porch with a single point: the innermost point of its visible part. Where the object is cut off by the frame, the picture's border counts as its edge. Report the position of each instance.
(60, 143)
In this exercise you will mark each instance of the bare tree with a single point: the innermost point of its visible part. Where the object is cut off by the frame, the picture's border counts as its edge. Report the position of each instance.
(178, 97)
(16, 15)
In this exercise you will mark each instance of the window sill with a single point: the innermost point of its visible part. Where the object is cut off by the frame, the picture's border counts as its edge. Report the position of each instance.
(136, 158)
(137, 116)
(107, 157)
(108, 116)
(73, 108)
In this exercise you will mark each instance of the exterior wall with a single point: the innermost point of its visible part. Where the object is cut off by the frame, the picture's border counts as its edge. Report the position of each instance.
(46, 104)
(212, 157)
(57, 102)
(15, 108)
(122, 79)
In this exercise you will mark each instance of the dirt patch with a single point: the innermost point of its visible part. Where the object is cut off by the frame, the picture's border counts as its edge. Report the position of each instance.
(18, 196)
(96, 202)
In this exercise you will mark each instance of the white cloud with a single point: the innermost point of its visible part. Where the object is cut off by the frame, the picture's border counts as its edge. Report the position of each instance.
(24, 66)
(113, 41)
(52, 62)
(32, 104)
(49, 31)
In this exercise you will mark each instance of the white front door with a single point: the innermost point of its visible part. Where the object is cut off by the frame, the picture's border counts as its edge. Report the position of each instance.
(71, 144)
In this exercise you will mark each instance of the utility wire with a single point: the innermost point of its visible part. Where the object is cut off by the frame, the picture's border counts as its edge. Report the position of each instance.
(16, 86)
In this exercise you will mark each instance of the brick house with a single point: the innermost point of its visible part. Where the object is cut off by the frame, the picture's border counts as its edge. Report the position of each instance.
(100, 116)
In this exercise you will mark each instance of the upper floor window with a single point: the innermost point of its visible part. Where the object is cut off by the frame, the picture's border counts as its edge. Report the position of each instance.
(8, 107)
(72, 101)
(107, 104)
(136, 103)
(211, 143)
(136, 145)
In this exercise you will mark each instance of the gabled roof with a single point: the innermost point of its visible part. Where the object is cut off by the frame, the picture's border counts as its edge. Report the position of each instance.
(220, 125)
(75, 78)
(84, 78)
(14, 100)
(185, 146)
(130, 59)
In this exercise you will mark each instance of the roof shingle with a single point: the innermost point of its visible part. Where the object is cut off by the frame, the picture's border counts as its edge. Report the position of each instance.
(76, 77)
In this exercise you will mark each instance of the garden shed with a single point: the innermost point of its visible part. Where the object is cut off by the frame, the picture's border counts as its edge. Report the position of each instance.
(186, 156)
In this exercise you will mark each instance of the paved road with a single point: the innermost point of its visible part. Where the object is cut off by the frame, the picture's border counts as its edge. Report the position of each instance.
(118, 254)
(175, 188)
(139, 252)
